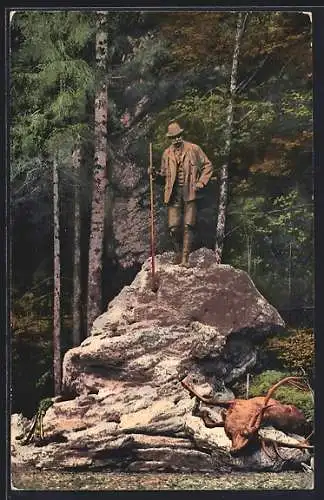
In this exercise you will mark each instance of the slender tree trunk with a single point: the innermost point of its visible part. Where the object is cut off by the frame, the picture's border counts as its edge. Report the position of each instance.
(247, 390)
(99, 182)
(57, 370)
(76, 305)
(249, 253)
(289, 276)
(223, 192)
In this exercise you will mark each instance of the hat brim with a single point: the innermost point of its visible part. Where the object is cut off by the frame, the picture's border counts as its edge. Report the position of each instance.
(175, 135)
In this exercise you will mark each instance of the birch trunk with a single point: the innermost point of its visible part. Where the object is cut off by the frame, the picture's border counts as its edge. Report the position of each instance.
(99, 183)
(249, 254)
(223, 191)
(76, 305)
(57, 370)
(289, 276)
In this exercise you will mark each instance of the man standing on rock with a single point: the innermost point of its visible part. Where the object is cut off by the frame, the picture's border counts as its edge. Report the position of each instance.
(186, 170)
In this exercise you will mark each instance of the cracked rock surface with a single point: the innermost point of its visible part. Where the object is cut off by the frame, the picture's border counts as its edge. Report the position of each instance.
(123, 407)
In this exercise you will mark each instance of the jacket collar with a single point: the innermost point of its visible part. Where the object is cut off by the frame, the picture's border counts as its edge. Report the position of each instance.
(185, 149)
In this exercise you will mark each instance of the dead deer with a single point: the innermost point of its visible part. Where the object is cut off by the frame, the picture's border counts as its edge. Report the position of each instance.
(242, 418)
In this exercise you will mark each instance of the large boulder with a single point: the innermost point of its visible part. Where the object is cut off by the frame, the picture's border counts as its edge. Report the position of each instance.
(123, 406)
(206, 317)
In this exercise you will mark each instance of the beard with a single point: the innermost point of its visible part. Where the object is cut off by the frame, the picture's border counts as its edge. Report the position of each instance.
(177, 143)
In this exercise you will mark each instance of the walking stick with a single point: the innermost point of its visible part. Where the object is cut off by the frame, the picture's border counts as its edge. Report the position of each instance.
(154, 277)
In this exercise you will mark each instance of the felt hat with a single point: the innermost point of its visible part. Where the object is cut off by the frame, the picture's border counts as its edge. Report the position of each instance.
(174, 129)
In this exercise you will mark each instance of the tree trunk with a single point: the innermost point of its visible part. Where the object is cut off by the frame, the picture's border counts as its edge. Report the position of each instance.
(76, 305)
(249, 253)
(99, 183)
(223, 191)
(57, 370)
(289, 276)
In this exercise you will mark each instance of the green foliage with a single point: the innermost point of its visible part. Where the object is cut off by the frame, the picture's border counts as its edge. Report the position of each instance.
(178, 70)
(297, 104)
(260, 384)
(203, 117)
(295, 351)
(293, 218)
(148, 57)
(254, 121)
(270, 210)
(51, 79)
(272, 235)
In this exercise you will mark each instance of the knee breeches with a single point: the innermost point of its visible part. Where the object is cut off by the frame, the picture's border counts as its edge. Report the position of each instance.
(182, 213)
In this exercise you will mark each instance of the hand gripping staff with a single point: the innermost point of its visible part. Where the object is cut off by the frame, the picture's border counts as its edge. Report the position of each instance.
(154, 277)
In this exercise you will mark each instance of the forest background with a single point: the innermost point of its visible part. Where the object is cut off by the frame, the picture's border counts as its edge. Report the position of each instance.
(88, 92)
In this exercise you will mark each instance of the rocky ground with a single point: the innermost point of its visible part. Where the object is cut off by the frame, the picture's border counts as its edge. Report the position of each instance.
(32, 479)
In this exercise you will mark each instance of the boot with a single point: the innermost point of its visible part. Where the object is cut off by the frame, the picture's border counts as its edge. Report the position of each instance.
(175, 237)
(187, 242)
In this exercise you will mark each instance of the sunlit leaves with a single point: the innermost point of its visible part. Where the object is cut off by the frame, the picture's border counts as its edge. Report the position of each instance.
(203, 117)
(69, 105)
(294, 218)
(296, 351)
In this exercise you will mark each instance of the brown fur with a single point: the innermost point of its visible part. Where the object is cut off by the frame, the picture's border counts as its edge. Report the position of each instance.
(243, 417)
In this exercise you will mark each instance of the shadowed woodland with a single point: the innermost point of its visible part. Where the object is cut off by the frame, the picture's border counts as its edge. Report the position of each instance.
(89, 91)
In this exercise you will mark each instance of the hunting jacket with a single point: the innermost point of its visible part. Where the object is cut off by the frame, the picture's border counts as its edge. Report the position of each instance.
(196, 166)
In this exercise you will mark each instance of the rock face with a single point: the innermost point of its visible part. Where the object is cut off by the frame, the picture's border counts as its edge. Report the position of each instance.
(123, 406)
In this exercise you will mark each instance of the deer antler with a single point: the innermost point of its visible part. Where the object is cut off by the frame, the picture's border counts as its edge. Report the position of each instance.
(278, 384)
(275, 447)
(256, 420)
(301, 445)
(213, 402)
